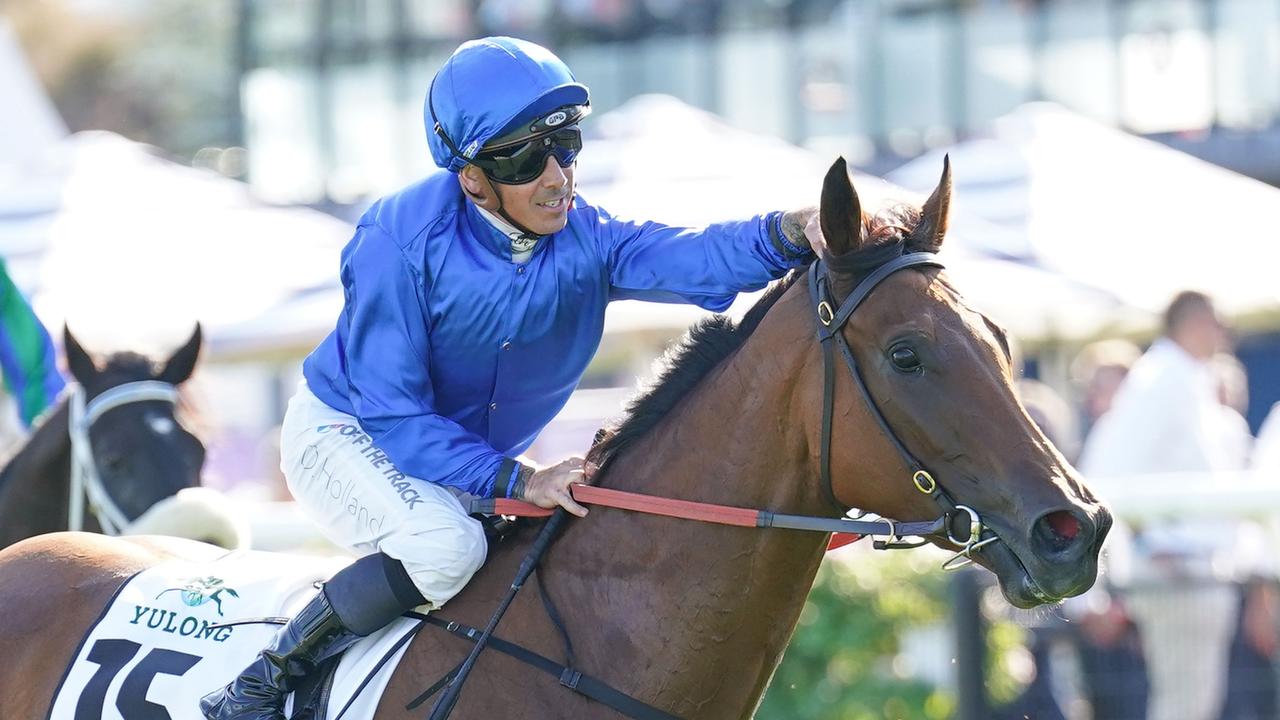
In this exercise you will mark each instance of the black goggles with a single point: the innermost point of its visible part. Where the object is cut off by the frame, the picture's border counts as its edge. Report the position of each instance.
(520, 163)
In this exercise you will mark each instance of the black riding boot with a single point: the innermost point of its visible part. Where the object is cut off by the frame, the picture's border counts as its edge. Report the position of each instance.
(360, 599)
(313, 635)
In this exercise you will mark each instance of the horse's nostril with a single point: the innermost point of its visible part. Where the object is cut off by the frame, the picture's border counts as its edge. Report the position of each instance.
(1057, 532)
(1064, 524)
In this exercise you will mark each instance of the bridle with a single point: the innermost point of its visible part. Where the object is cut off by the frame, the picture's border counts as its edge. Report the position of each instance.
(86, 482)
(832, 317)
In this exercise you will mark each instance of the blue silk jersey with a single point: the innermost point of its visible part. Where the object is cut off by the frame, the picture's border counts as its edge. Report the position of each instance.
(453, 357)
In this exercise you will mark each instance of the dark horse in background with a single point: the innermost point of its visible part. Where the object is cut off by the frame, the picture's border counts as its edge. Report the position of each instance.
(688, 617)
(127, 439)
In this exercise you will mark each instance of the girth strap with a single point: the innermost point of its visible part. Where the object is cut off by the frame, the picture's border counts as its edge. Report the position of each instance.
(583, 684)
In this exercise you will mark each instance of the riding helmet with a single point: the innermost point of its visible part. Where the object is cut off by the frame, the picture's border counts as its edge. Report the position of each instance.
(487, 88)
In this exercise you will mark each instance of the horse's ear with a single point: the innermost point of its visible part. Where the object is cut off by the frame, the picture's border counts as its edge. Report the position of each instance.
(933, 220)
(182, 363)
(78, 361)
(840, 213)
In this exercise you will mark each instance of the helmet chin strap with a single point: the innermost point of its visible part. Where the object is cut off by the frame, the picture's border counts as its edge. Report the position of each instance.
(493, 203)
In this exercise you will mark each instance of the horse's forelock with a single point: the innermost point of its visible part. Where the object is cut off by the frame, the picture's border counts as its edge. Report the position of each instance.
(125, 367)
(885, 236)
(895, 223)
(130, 365)
(118, 369)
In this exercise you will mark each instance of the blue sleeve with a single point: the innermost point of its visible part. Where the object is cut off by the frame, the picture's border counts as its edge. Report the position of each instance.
(387, 356)
(706, 266)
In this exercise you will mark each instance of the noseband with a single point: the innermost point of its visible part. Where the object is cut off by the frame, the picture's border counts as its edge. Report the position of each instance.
(85, 479)
(964, 526)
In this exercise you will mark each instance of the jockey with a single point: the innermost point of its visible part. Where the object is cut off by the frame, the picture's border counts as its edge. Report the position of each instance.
(474, 300)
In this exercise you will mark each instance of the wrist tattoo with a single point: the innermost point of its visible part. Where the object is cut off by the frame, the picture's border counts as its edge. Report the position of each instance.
(522, 481)
(793, 224)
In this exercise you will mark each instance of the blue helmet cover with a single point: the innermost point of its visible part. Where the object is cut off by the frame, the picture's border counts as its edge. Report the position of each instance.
(486, 86)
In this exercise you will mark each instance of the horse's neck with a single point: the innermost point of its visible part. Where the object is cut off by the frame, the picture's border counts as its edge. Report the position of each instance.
(34, 483)
(699, 614)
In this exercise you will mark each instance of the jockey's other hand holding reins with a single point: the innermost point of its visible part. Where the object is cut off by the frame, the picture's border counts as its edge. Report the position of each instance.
(549, 486)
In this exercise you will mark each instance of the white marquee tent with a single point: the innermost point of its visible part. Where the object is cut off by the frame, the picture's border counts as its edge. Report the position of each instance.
(130, 249)
(1116, 211)
(658, 158)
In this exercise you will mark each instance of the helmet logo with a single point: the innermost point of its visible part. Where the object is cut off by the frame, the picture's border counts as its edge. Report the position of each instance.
(556, 118)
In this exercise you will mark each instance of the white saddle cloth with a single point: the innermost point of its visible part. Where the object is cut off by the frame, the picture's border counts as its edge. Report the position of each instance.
(170, 636)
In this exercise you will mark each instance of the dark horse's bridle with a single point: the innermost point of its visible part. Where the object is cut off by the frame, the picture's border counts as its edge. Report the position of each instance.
(86, 481)
(832, 317)
(874, 266)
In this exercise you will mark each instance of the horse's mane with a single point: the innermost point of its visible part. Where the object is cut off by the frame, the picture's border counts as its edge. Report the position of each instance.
(713, 339)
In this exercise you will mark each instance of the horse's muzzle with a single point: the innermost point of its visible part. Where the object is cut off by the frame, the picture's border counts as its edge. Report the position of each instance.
(1057, 559)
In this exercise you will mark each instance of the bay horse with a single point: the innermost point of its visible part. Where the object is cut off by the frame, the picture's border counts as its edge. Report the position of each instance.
(687, 617)
(109, 450)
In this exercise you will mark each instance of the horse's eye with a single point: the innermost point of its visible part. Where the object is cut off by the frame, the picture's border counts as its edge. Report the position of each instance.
(904, 358)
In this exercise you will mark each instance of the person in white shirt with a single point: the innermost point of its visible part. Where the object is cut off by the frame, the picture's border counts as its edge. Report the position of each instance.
(1166, 415)
(1168, 418)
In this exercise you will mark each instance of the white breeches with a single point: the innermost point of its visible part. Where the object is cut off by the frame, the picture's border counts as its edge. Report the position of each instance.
(362, 502)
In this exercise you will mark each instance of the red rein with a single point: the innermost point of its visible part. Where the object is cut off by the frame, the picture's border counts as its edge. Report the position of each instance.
(685, 509)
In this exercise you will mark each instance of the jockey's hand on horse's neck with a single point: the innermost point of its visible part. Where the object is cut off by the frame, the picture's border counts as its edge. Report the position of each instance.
(793, 224)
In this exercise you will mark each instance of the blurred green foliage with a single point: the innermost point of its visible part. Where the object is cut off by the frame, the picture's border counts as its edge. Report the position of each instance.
(840, 664)
(846, 660)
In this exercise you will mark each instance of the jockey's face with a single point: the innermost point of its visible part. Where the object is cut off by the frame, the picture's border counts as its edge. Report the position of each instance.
(542, 204)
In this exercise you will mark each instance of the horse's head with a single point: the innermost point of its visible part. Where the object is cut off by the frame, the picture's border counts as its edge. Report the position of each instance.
(939, 372)
(141, 451)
